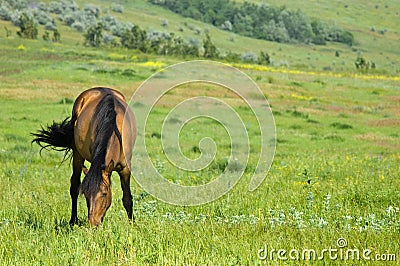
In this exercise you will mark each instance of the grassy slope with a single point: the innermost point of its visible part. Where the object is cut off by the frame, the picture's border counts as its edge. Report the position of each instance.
(358, 17)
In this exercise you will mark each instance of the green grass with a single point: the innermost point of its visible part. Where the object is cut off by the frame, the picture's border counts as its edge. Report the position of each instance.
(335, 172)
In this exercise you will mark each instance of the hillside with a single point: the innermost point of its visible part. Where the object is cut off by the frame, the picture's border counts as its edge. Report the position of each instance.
(373, 25)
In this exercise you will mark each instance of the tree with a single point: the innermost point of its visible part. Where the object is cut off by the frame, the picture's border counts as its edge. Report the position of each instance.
(56, 36)
(94, 35)
(135, 38)
(46, 36)
(28, 28)
(362, 64)
(8, 32)
(210, 50)
(264, 59)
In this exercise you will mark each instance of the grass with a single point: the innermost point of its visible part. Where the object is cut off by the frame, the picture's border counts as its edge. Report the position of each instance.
(335, 172)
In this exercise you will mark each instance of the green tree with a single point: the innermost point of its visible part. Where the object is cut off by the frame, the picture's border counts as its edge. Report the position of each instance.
(8, 32)
(46, 36)
(210, 50)
(94, 35)
(28, 27)
(264, 59)
(362, 64)
(135, 38)
(56, 36)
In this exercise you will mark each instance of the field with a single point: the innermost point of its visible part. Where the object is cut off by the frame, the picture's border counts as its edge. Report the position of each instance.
(334, 177)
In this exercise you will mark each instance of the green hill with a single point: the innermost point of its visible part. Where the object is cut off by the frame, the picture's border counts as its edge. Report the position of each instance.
(374, 26)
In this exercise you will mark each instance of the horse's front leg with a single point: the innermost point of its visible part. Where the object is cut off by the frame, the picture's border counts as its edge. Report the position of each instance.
(125, 176)
(77, 163)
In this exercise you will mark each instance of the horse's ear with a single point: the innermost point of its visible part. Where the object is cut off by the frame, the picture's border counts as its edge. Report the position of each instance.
(110, 167)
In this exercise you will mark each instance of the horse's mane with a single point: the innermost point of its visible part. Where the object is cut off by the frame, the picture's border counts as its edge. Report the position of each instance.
(106, 125)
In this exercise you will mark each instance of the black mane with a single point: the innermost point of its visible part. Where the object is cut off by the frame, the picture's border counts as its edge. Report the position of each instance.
(106, 125)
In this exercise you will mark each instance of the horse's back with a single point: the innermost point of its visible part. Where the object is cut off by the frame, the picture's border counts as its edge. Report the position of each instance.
(84, 111)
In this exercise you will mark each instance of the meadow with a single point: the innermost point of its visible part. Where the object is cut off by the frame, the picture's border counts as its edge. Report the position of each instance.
(335, 174)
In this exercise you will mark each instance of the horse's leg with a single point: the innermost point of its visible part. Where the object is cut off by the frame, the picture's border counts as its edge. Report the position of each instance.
(77, 163)
(125, 176)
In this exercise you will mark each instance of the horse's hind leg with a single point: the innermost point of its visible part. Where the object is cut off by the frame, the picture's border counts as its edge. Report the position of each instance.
(125, 176)
(77, 162)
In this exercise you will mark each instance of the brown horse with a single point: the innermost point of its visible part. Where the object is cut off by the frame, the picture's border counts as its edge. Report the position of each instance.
(102, 130)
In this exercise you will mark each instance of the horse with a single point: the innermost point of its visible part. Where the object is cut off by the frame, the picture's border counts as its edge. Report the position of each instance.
(102, 130)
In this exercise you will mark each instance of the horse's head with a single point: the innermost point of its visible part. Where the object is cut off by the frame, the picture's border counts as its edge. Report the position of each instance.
(98, 196)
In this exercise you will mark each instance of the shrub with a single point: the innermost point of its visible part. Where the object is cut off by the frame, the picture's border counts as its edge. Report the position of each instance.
(5, 13)
(92, 10)
(362, 64)
(120, 28)
(339, 125)
(264, 59)
(210, 50)
(15, 17)
(43, 7)
(117, 8)
(18, 4)
(78, 26)
(56, 7)
(108, 22)
(227, 25)
(108, 39)
(68, 18)
(164, 22)
(249, 57)
(50, 26)
(94, 35)
(42, 17)
(46, 36)
(8, 32)
(28, 28)
(232, 56)
(56, 36)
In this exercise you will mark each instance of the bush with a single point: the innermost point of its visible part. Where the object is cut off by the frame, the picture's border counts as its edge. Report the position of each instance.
(69, 18)
(108, 22)
(15, 17)
(227, 25)
(43, 7)
(46, 36)
(56, 7)
(107, 38)
(50, 26)
(120, 28)
(18, 4)
(164, 22)
(5, 13)
(56, 36)
(28, 27)
(92, 10)
(117, 8)
(232, 57)
(94, 35)
(249, 57)
(78, 26)
(210, 50)
(42, 17)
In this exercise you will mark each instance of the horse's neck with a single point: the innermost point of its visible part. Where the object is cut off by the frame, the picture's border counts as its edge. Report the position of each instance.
(113, 150)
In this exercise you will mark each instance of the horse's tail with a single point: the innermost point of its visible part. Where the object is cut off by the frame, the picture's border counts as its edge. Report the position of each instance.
(58, 136)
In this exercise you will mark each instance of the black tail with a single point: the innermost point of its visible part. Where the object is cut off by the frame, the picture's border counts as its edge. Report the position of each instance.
(58, 136)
